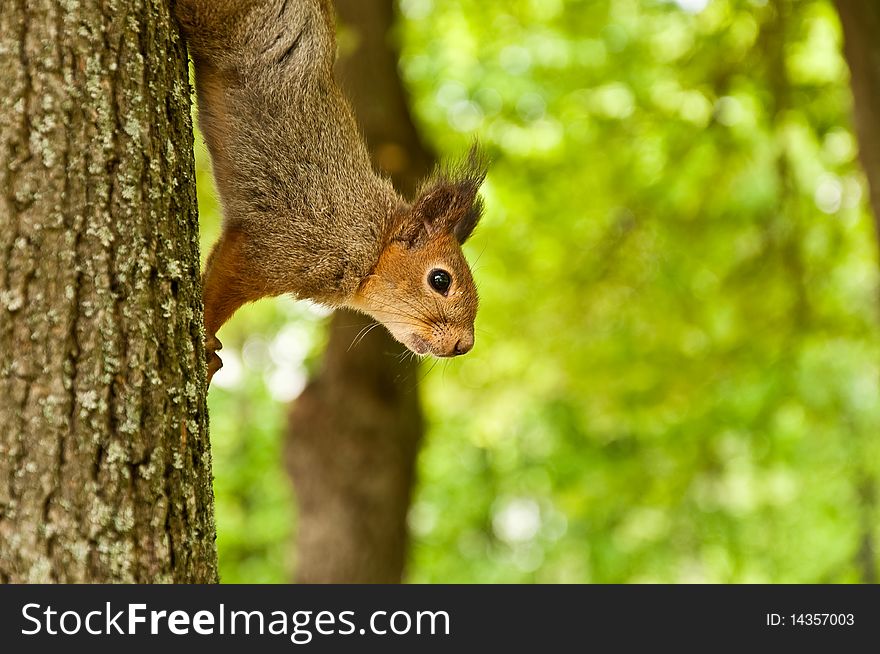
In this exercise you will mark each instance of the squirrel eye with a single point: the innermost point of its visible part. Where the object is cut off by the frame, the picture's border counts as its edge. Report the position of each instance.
(439, 280)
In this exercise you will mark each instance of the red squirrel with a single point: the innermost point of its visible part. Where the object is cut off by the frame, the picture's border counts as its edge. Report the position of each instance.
(304, 213)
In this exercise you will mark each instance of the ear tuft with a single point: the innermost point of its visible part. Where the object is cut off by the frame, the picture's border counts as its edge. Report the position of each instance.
(449, 200)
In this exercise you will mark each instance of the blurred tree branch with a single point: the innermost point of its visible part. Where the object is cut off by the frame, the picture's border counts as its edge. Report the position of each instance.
(861, 25)
(354, 433)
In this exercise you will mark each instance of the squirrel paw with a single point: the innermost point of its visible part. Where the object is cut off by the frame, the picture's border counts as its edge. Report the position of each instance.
(212, 344)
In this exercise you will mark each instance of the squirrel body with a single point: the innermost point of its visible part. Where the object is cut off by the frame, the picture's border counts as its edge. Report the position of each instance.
(304, 211)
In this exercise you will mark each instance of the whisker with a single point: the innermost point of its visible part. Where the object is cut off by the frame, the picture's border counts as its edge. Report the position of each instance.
(433, 365)
(422, 309)
(362, 334)
(394, 309)
(474, 266)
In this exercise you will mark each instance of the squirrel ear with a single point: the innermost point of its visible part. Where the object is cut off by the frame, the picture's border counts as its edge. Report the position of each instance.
(410, 228)
(465, 225)
(450, 201)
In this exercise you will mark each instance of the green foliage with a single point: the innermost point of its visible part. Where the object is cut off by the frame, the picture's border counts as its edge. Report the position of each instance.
(676, 369)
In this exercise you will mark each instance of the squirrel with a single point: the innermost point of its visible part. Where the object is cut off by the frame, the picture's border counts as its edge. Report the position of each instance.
(304, 212)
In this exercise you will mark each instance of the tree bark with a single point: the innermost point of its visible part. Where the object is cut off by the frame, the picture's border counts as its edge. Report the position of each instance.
(105, 467)
(861, 25)
(354, 433)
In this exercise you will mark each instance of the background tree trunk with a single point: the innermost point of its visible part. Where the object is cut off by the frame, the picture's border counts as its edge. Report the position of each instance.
(354, 432)
(105, 468)
(861, 27)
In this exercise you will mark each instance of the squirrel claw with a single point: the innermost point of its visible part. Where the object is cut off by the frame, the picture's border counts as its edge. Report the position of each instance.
(214, 364)
(214, 361)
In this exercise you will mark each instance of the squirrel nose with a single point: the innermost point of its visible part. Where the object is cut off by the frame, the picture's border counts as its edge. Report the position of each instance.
(463, 345)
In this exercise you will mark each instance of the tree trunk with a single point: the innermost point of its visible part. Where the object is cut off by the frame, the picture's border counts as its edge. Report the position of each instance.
(105, 467)
(354, 432)
(861, 26)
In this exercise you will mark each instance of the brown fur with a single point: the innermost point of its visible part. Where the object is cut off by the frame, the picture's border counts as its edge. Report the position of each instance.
(304, 212)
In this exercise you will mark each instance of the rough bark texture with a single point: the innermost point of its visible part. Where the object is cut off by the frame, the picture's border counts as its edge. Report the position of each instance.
(105, 468)
(354, 433)
(861, 27)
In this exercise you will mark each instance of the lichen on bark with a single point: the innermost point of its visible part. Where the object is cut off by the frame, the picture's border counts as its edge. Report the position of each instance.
(105, 468)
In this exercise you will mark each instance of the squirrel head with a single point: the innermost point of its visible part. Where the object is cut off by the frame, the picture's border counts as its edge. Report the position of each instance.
(421, 288)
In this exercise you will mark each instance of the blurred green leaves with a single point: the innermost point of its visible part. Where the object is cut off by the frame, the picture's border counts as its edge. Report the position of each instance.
(677, 351)
(676, 369)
